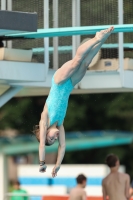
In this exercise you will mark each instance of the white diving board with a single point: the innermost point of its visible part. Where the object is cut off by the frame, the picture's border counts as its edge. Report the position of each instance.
(69, 31)
(67, 49)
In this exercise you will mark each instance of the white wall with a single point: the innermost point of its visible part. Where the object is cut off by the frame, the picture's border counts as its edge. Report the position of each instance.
(94, 173)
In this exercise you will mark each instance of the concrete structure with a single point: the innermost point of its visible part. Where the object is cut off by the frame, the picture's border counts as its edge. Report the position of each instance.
(34, 79)
(30, 79)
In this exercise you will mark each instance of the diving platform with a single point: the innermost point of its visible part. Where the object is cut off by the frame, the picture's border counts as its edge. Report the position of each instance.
(34, 79)
(104, 79)
(69, 31)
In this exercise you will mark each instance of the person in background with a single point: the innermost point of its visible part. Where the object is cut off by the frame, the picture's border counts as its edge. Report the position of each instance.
(78, 192)
(115, 185)
(131, 189)
(17, 190)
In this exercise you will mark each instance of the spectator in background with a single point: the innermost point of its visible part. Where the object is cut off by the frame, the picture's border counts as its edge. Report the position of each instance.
(78, 192)
(131, 189)
(116, 185)
(17, 190)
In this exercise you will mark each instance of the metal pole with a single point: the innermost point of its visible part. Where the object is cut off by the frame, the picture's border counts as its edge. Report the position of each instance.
(4, 98)
(55, 39)
(120, 35)
(78, 20)
(3, 7)
(3, 4)
(3, 175)
(46, 40)
(75, 22)
(9, 7)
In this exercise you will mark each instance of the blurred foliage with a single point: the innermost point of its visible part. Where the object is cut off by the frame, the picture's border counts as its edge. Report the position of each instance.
(101, 112)
(21, 114)
(111, 111)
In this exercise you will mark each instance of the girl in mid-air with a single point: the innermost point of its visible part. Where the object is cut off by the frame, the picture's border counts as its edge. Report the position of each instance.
(65, 78)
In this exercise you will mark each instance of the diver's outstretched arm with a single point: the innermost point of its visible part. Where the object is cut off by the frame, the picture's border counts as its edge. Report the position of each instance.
(61, 151)
(43, 132)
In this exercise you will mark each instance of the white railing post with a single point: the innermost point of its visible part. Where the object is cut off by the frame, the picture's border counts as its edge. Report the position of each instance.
(55, 39)
(3, 176)
(75, 22)
(120, 35)
(3, 7)
(9, 7)
(46, 40)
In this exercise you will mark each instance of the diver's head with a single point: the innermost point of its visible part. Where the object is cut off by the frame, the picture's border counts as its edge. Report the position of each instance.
(51, 136)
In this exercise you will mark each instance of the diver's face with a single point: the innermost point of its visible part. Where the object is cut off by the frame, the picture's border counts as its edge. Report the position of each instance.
(52, 135)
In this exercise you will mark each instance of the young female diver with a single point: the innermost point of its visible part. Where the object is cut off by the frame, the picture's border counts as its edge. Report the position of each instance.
(51, 122)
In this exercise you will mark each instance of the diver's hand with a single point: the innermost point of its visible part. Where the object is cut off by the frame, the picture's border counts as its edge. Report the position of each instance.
(42, 168)
(55, 170)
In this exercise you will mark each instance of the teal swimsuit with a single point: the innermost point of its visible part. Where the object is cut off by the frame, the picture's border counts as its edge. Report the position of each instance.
(57, 101)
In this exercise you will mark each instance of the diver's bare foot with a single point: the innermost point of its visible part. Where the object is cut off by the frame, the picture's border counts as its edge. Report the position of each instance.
(104, 34)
